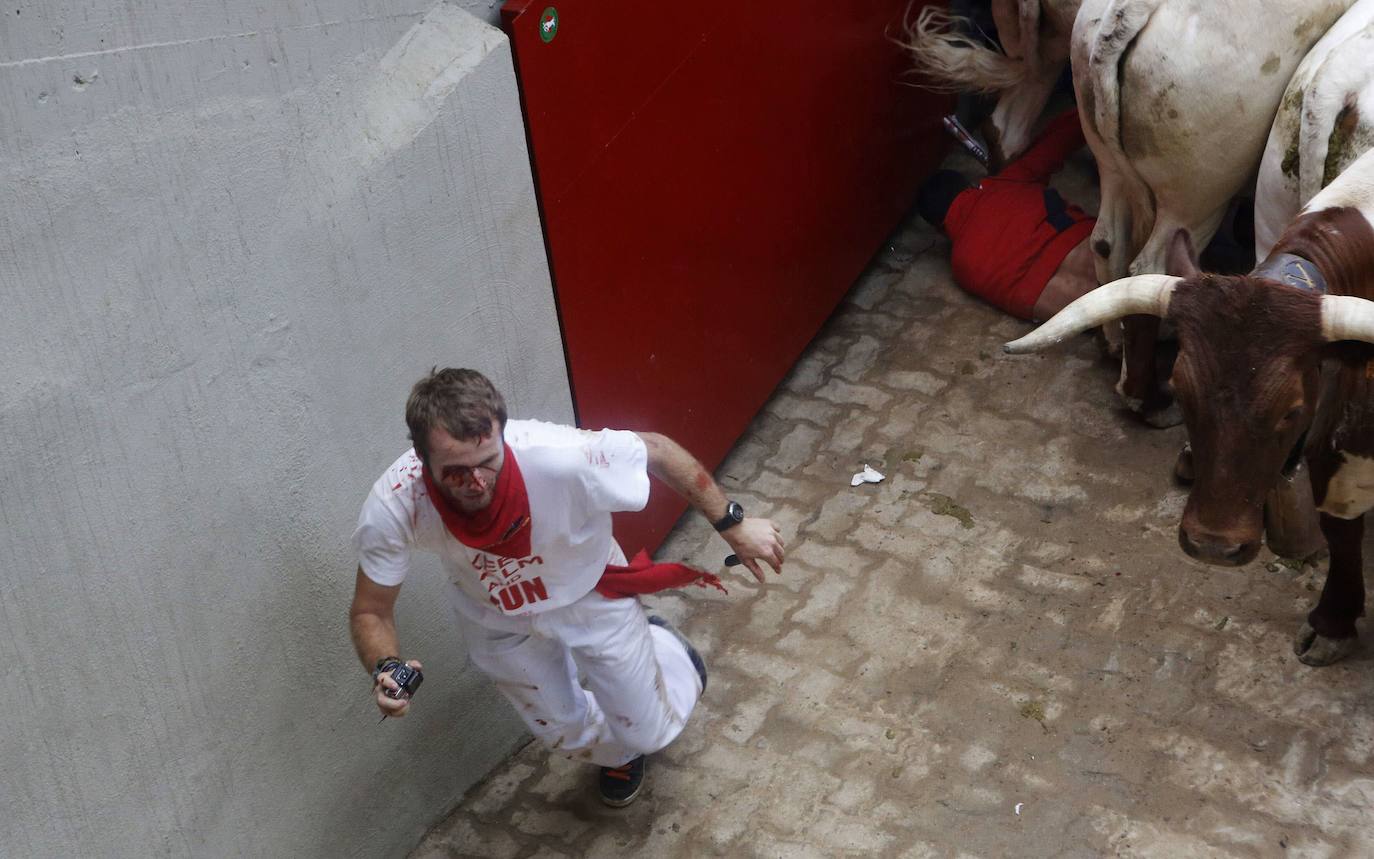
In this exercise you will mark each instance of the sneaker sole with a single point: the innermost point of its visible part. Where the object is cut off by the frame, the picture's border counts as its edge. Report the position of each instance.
(621, 803)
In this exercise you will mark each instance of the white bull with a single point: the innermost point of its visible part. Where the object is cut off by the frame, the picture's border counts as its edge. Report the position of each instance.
(1035, 43)
(1325, 121)
(1176, 99)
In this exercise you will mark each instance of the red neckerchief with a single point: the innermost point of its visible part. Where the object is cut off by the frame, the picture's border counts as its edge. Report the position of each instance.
(503, 526)
(643, 576)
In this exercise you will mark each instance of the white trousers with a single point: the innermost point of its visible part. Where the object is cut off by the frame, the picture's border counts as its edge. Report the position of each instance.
(641, 685)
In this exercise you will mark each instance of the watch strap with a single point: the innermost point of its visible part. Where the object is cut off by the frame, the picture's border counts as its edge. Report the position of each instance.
(384, 664)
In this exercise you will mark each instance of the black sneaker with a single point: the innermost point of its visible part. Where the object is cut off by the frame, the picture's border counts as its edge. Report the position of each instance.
(692, 654)
(620, 785)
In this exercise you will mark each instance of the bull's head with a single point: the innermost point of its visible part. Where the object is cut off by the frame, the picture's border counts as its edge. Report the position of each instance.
(1246, 380)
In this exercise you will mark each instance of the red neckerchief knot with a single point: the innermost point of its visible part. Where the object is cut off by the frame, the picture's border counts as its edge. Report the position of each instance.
(503, 526)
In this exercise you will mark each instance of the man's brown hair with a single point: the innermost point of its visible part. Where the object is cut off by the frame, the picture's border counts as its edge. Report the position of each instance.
(460, 401)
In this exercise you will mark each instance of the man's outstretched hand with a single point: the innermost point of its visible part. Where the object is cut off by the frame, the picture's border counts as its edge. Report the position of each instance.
(755, 540)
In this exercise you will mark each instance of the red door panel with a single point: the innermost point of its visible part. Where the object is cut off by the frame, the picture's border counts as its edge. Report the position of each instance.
(712, 182)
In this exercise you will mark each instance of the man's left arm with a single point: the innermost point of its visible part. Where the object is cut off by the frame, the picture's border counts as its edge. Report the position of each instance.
(753, 540)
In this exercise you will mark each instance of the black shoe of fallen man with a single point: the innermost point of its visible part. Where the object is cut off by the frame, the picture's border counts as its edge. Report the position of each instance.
(692, 654)
(621, 785)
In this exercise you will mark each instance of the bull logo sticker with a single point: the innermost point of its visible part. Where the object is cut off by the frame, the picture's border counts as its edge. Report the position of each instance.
(548, 24)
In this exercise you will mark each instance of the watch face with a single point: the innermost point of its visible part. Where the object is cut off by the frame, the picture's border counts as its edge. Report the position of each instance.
(734, 514)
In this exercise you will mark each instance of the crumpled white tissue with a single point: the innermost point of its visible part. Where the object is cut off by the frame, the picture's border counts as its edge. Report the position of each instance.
(868, 475)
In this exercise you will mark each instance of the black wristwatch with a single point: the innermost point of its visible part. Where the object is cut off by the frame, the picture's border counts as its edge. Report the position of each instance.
(734, 514)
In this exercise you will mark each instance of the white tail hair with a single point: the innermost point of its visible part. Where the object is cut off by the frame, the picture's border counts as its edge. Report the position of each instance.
(953, 61)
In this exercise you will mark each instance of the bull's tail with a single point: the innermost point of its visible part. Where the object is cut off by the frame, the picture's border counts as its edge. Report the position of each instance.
(1099, 54)
(952, 61)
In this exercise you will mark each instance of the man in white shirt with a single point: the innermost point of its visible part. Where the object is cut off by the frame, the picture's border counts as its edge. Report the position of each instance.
(519, 513)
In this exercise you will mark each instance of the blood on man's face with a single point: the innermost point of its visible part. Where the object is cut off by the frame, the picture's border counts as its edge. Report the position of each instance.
(466, 469)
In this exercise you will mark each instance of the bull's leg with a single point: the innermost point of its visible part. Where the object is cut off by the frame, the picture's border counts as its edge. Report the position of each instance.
(1108, 338)
(1183, 466)
(1111, 242)
(1329, 634)
(1140, 386)
(1169, 248)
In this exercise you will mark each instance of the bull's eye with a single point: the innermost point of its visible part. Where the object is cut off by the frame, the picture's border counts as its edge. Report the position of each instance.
(1291, 418)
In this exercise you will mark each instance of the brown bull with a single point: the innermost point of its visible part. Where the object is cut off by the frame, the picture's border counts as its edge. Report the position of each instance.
(1273, 367)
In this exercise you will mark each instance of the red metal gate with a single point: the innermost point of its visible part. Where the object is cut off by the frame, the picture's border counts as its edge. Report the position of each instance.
(712, 179)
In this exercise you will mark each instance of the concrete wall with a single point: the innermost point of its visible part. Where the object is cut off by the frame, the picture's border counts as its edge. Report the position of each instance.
(232, 235)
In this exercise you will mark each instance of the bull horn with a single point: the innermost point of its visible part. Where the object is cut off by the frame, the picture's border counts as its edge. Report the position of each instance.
(1345, 317)
(1140, 294)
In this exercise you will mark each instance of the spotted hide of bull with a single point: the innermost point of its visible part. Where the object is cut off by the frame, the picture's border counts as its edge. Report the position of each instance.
(1159, 85)
(1324, 122)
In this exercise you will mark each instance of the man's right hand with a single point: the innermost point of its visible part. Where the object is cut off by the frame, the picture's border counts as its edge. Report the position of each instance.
(755, 540)
(394, 707)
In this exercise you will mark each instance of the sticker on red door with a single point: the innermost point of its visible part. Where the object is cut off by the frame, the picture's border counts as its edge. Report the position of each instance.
(548, 24)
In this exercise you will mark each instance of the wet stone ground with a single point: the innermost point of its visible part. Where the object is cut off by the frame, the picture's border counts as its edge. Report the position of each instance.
(997, 651)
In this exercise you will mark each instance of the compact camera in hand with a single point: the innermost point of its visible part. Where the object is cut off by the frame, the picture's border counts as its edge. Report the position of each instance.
(409, 679)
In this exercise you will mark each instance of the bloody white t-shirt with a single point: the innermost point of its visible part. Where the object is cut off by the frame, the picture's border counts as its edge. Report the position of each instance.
(575, 480)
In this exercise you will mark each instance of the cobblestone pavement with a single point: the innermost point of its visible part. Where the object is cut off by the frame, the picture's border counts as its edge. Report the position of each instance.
(999, 650)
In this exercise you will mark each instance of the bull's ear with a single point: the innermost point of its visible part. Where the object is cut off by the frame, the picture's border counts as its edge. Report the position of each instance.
(1181, 260)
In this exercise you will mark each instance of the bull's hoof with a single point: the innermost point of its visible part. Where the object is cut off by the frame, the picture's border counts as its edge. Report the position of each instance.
(1318, 650)
(1149, 410)
(1169, 416)
(1108, 338)
(1183, 466)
